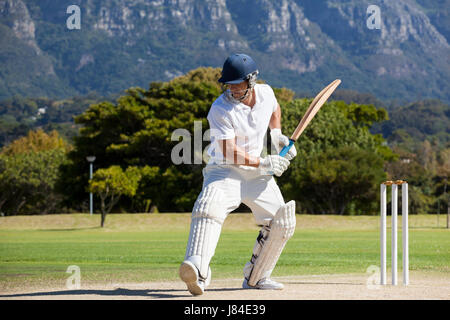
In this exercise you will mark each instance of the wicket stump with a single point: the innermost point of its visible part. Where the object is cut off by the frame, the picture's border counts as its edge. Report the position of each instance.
(394, 211)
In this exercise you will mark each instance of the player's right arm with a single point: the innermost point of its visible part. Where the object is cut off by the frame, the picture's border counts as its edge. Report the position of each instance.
(272, 164)
(237, 155)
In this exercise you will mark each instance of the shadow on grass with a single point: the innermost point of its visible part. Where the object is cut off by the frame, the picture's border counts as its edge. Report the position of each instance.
(325, 283)
(426, 227)
(70, 229)
(150, 293)
(160, 293)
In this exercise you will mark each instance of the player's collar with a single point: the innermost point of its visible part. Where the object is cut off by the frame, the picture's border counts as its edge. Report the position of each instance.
(258, 99)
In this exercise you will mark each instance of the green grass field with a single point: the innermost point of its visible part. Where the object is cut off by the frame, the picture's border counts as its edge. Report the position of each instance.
(37, 250)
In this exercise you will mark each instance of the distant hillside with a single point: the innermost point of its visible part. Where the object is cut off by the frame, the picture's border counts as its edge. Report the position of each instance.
(421, 120)
(298, 44)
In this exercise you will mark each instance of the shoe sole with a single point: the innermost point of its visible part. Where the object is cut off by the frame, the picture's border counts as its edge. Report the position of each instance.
(188, 273)
(245, 285)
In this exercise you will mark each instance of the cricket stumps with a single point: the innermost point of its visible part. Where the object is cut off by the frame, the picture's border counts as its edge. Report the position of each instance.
(405, 240)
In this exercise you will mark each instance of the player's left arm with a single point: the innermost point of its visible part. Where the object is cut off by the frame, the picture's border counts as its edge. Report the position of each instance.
(275, 119)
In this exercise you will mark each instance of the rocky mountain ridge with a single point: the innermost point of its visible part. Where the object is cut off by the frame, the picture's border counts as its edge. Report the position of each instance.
(301, 45)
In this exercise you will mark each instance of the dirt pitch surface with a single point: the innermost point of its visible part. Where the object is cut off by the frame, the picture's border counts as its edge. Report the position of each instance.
(328, 287)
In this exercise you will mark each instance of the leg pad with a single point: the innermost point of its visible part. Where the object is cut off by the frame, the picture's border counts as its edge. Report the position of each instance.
(270, 243)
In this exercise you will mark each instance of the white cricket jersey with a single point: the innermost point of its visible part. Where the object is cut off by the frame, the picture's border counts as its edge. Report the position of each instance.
(247, 125)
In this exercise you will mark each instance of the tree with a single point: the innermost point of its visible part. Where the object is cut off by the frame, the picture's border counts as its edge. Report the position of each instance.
(36, 141)
(29, 170)
(336, 154)
(442, 185)
(112, 183)
(422, 120)
(136, 131)
(362, 114)
(331, 181)
(27, 182)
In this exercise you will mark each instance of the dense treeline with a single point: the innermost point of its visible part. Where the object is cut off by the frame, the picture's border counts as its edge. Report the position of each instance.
(418, 121)
(19, 115)
(29, 168)
(343, 155)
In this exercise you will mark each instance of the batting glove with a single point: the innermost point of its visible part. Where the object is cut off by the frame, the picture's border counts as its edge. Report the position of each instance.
(280, 140)
(273, 165)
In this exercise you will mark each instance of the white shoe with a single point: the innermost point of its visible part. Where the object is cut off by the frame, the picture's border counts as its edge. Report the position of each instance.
(190, 275)
(264, 284)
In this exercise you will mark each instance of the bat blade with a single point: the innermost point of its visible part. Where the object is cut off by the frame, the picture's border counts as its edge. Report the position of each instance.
(313, 108)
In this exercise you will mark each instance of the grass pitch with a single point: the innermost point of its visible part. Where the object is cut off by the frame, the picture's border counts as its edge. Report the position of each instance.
(37, 250)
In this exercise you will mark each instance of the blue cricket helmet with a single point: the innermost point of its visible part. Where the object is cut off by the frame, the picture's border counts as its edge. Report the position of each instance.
(237, 68)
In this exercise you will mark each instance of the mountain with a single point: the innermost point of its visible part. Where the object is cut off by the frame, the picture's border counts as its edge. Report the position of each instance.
(301, 45)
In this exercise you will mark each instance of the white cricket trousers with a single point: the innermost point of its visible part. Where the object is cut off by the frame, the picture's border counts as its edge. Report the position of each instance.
(238, 184)
(225, 187)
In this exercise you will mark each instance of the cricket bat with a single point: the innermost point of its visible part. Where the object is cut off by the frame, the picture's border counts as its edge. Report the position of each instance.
(313, 108)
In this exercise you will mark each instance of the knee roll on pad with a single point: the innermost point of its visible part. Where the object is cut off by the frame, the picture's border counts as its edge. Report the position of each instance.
(270, 244)
(206, 225)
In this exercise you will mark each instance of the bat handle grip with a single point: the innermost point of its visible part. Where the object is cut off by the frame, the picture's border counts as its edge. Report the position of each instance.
(285, 149)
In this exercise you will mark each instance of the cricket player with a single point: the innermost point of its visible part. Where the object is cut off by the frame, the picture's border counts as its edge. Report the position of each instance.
(236, 173)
